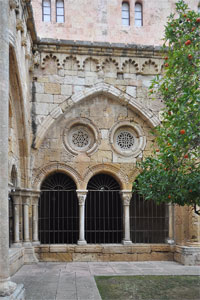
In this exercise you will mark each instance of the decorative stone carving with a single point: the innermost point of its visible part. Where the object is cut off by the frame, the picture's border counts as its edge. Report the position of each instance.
(81, 135)
(20, 25)
(81, 194)
(13, 4)
(36, 58)
(24, 42)
(127, 138)
(126, 197)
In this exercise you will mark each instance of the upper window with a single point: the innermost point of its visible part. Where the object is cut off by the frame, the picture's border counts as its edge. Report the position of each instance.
(46, 11)
(138, 15)
(60, 11)
(125, 14)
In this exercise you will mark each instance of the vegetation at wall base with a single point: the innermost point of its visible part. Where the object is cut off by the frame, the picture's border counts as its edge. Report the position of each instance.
(172, 173)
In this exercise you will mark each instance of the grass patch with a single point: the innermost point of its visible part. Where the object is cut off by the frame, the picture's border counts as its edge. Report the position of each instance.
(149, 287)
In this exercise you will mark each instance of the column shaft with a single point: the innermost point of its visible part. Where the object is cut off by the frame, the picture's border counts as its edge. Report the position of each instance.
(26, 223)
(16, 223)
(35, 224)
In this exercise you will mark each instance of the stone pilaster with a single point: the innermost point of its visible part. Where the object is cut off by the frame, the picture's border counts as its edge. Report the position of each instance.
(126, 196)
(81, 194)
(7, 287)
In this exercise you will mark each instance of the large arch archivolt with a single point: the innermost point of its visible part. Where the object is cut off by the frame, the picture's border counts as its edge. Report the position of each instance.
(114, 171)
(43, 172)
(100, 88)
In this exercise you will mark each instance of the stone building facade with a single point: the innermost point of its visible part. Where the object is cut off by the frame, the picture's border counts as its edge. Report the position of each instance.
(80, 117)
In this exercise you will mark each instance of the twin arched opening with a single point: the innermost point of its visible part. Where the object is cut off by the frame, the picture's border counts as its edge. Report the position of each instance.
(59, 213)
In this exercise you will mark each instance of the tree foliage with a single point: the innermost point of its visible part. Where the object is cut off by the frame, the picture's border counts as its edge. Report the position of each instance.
(172, 173)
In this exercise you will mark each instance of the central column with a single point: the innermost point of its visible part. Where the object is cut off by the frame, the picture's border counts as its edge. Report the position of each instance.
(81, 194)
(126, 196)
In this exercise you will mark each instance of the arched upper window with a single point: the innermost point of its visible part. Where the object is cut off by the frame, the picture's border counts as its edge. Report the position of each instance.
(125, 14)
(138, 15)
(46, 11)
(60, 11)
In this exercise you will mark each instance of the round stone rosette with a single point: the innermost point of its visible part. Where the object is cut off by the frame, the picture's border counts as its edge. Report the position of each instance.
(80, 135)
(127, 138)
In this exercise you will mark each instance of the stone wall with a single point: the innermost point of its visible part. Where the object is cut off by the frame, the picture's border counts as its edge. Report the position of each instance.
(100, 20)
(101, 94)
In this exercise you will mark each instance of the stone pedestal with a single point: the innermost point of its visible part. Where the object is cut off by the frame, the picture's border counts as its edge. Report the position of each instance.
(18, 294)
(81, 194)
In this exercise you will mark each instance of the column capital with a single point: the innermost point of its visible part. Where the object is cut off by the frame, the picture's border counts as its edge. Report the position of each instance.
(81, 194)
(126, 196)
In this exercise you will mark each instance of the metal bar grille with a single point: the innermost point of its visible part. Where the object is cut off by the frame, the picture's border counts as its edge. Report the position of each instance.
(104, 223)
(58, 217)
(148, 222)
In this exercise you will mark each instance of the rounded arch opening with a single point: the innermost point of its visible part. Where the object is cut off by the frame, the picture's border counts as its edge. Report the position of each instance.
(103, 210)
(58, 210)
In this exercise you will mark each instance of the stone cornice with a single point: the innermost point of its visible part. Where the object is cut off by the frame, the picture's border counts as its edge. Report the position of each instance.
(97, 48)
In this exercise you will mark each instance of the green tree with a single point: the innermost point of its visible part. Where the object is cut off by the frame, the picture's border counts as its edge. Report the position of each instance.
(172, 173)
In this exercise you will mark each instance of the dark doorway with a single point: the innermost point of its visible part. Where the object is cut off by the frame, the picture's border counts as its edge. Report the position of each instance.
(103, 210)
(58, 210)
(11, 220)
(148, 221)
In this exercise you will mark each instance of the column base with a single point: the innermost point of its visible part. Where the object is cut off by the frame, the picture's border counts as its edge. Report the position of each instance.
(27, 244)
(16, 245)
(82, 242)
(170, 241)
(125, 242)
(18, 294)
(29, 256)
(36, 243)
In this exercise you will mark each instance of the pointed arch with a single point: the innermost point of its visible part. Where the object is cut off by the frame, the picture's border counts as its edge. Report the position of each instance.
(101, 88)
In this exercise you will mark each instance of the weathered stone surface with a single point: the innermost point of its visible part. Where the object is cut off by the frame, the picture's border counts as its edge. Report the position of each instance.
(52, 88)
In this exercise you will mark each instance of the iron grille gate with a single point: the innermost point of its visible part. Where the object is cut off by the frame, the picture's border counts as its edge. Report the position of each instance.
(58, 217)
(104, 213)
(149, 222)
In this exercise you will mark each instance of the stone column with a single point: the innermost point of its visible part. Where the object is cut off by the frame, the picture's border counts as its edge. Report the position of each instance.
(35, 199)
(81, 194)
(6, 286)
(126, 196)
(26, 197)
(17, 203)
(170, 239)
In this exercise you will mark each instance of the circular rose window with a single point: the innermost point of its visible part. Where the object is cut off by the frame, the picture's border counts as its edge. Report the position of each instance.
(80, 138)
(80, 135)
(127, 139)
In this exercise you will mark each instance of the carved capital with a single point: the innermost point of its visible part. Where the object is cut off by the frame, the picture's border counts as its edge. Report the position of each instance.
(13, 4)
(81, 194)
(36, 58)
(20, 25)
(126, 196)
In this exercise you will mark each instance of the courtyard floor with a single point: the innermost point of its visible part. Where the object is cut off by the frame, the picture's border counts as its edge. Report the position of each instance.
(75, 280)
